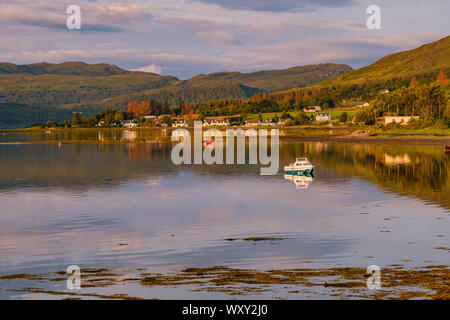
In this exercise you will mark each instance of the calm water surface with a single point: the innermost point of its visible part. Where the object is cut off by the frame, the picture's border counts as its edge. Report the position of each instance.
(127, 206)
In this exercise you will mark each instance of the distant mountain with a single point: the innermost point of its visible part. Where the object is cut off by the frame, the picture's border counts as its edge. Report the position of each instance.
(66, 68)
(87, 84)
(93, 87)
(429, 58)
(276, 80)
(188, 91)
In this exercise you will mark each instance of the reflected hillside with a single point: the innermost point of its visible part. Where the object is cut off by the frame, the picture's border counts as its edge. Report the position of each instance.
(80, 165)
(419, 171)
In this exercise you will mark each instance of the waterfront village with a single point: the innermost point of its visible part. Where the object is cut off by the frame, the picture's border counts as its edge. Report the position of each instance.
(312, 114)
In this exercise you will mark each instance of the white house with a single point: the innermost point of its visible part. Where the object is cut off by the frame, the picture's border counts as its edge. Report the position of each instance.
(220, 122)
(128, 124)
(312, 109)
(252, 123)
(269, 123)
(179, 122)
(399, 119)
(150, 118)
(323, 117)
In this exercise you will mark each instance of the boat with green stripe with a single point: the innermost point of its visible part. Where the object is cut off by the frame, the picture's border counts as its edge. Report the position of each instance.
(301, 167)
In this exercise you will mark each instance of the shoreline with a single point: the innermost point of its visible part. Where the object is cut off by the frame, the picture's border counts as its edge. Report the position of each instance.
(307, 134)
(397, 283)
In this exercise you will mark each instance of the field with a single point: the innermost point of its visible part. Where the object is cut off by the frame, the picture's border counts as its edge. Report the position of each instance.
(335, 113)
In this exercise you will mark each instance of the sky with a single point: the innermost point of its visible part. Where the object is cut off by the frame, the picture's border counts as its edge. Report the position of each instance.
(185, 38)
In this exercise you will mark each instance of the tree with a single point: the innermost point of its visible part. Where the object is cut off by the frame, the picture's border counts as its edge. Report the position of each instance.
(343, 117)
(365, 115)
(260, 117)
(165, 109)
(118, 116)
(133, 108)
(167, 120)
(144, 109)
(442, 78)
(284, 115)
(301, 119)
(447, 111)
(76, 118)
(413, 82)
(154, 106)
(289, 123)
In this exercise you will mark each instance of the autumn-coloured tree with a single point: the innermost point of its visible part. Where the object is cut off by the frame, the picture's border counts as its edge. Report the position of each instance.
(144, 109)
(133, 107)
(187, 110)
(442, 78)
(413, 82)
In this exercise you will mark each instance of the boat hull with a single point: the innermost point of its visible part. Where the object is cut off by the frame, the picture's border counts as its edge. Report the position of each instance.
(299, 172)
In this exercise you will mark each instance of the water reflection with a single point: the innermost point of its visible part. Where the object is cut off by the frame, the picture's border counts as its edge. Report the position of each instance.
(127, 205)
(299, 181)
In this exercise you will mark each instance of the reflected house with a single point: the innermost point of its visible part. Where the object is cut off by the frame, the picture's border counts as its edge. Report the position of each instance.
(140, 152)
(300, 182)
(398, 119)
(180, 134)
(216, 121)
(323, 116)
(129, 135)
(396, 160)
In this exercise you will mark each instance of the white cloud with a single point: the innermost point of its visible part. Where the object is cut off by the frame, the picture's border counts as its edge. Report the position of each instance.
(153, 68)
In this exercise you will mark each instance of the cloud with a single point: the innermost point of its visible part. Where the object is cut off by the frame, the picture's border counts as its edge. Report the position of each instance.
(151, 69)
(217, 37)
(94, 17)
(279, 5)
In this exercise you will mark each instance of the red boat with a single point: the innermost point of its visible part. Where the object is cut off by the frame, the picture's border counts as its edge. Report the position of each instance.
(208, 144)
(447, 150)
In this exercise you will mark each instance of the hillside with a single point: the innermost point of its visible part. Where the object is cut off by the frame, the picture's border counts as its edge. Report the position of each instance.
(429, 58)
(275, 80)
(58, 90)
(66, 68)
(227, 85)
(199, 91)
(15, 115)
(94, 87)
